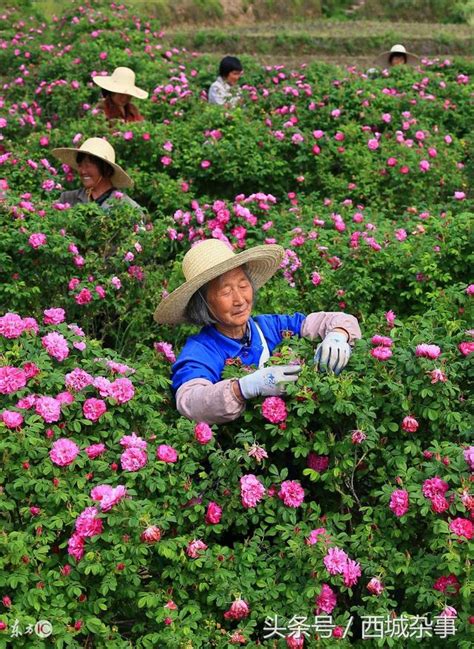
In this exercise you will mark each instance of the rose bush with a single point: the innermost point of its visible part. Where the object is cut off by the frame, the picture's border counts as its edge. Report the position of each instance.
(127, 525)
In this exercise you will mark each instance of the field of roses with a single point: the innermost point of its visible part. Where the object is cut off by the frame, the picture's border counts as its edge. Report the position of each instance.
(126, 525)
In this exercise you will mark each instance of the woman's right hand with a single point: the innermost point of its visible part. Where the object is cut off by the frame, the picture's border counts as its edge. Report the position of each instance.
(269, 381)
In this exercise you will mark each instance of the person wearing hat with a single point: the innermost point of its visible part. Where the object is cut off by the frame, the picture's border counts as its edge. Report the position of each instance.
(397, 56)
(95, 163)
(218, 295)
(117, 90)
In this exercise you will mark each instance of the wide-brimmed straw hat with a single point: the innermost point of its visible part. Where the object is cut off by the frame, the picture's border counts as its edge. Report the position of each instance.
(384, 58)
(121, 80)
(209, 259)
(99, 148)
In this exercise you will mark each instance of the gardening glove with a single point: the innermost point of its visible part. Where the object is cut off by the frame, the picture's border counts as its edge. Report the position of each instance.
(268, 381)
(332, 353)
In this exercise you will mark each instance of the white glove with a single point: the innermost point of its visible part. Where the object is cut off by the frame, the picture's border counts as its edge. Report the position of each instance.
(268, 381)
(332, 353)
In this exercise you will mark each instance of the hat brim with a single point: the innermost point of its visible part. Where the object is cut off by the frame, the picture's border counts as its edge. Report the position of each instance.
(262, 263)
(383, 59)
(68, 155)
(107, 83)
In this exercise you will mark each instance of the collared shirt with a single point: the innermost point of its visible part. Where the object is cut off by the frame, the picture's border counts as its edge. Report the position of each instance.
(222, 93)
(205, 354)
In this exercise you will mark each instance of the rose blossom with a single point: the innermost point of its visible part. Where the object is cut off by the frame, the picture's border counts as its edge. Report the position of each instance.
(166, 350)
(77, 379)
(466, 348)
(64, 451)
(385, 341)
(292, 493)
(317, 462)
(238, 610)
(56, 345)
(434, 486)
(462, 527)
(75, 546)
(258, 452)
(108, 496)
(351, 573)
(469, 457)
(95, 450)
(375, 587)
(274, 410)
(11, 379)
(195, 548)
(31, 370)
(53, 316)
(11, 419)
(202, 433)
(93, 409)
(335, 560)
(166, 454)
(133, 459)
(121, 390)
(381, 353)
(326, 600)
(87, 524)
(438, 375)
(213, 513)
(358, 436)
(410, 424)
(11, 325)
(133, 441)
(447, 585)
(251, 490)
(314, 536)
(152, 534)
(428, 351)
(37, 240)
(399, 502)
(48, 408)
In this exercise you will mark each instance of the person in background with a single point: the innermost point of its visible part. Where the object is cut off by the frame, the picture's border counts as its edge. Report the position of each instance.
(117, 90)
(218, 295)
(396, 56)
(100, 176)
(225, 90)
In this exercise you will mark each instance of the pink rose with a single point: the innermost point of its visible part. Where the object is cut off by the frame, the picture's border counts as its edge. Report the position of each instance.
(108, 496)
(64, 451)
(462, 527)
(121, 390)
(95, 450)
(410, 424)
(381, 353)
(11, 325)
(54, 316)
(385, 341)
(251, 490)
(11, 379)
(166, 454)
(93, 409)
(238, 610)
(56, 345)
(48, 408)
(202, 433)
(399, 502)
(133, 459)
(326, 600)
(375, 587)
(195, 548)
(292, 493)
(37, 240)
(11, 419)
(213, 513)
(466, 348)
(152, 534)
(76, 546)
(78, 379)
(87, 523)
(274, 410)
(428, 351)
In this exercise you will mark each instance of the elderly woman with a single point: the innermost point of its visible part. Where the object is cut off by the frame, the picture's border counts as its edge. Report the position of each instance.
(117, 91)
(218, 294)
(396, 56)
(100, 176)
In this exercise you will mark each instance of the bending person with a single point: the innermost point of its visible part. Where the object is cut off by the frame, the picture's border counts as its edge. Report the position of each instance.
(100, 176)
(218, 294)
(396, 56)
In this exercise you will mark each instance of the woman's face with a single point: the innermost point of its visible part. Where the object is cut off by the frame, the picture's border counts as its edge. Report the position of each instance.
(89, 172)
(230, 297)
(397, 59)
(120, 99)
(233, 77)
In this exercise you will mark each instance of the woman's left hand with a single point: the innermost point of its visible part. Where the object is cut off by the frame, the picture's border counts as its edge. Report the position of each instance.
(333, 353)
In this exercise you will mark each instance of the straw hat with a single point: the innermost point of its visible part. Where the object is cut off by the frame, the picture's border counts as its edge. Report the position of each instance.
(383, 58)
(206, 261)
(99, 148)
(121, 80)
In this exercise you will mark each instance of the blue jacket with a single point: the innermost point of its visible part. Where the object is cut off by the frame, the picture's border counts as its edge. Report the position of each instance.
(204, 355)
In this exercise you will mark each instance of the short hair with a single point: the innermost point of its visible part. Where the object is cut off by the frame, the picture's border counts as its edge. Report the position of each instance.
(105, 169)
(393, 54)
(229, 64)
(197, 310)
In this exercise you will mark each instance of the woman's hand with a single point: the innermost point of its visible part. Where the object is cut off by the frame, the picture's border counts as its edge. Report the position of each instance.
(333, 352)
(269, 381)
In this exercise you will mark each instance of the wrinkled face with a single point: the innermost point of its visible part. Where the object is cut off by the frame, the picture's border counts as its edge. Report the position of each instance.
(120, 99)
(233, 77)
(89, 171)
(230, 297)
(397, 59)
